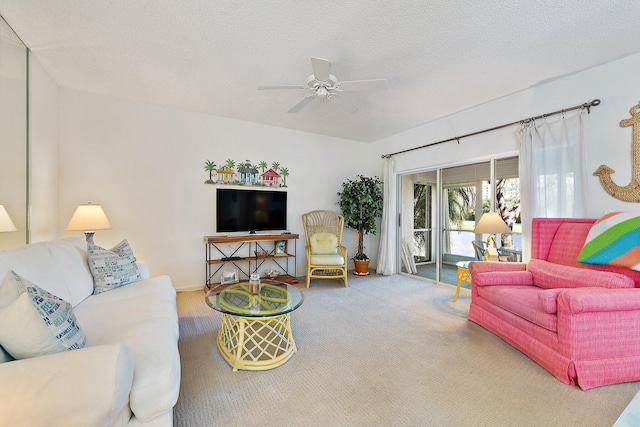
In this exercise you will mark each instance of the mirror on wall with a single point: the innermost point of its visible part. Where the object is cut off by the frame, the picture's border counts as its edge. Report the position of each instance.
(13, 136)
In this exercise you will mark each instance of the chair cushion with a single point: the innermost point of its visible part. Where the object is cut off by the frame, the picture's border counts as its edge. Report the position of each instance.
(327, 260)
(324, 244)
(613, 240)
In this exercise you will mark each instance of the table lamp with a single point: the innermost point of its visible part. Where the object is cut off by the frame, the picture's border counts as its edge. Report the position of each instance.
(89, 218)
(5, 221)
(491, 223)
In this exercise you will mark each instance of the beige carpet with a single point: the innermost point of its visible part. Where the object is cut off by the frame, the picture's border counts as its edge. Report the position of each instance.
(385, 351)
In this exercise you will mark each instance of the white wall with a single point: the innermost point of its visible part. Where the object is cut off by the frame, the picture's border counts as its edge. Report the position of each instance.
(43, 140)
(145, 165)
(13, 136)
(607, 143)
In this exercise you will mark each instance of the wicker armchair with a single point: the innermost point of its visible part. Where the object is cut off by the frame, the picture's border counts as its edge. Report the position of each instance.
(326, 257)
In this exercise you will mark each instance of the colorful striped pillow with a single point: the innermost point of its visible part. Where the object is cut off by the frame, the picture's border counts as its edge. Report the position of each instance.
(614, 240)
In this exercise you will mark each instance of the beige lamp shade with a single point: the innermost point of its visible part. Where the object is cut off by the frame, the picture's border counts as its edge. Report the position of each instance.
(491, 223)
(88, 217)
(5, 221)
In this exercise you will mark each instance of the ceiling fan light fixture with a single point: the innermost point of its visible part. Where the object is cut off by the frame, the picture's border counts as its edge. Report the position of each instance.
(323, 84)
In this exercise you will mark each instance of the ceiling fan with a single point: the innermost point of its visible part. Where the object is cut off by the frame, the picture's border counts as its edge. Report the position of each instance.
(324, 85)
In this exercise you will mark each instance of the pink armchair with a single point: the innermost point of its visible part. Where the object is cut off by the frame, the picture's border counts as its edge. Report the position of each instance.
(581, 322)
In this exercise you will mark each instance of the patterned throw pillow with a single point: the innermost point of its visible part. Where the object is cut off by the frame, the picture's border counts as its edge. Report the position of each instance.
(36, 322)
(112, 268)
(613, 240)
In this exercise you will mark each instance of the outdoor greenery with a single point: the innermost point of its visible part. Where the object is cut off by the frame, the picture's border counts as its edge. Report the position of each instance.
(461, 204)
(361, 205)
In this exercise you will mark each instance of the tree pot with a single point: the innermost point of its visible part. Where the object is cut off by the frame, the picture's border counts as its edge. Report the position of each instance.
(361, 267)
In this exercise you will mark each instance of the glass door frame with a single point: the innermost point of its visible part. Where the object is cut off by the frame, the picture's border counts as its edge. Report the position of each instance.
(437, 220)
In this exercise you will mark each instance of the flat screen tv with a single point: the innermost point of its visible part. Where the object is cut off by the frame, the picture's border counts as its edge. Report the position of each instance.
(250, 210)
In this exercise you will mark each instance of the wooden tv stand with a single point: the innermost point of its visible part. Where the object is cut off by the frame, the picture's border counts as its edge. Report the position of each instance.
(240, 251)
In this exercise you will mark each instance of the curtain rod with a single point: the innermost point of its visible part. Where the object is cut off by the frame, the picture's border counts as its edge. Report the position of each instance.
(586, 105)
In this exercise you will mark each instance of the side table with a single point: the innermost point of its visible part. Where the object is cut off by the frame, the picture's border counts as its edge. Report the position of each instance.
(463, 276)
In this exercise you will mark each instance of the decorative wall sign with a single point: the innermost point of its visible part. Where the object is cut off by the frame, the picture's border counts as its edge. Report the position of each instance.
(630, 192)
(245, 173)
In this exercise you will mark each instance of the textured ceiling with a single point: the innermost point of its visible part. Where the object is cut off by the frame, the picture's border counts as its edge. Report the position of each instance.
(209, 56)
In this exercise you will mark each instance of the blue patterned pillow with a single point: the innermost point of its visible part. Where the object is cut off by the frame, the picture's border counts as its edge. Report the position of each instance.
(112, 268)
(36, 322)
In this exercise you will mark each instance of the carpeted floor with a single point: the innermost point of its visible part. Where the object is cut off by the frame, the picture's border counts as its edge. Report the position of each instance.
(385, 351)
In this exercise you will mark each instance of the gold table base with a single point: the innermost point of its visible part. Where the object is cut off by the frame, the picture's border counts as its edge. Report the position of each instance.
(463, 276)
(256, 343)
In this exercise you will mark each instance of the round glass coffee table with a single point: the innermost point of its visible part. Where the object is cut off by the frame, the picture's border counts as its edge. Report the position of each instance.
(255, 333)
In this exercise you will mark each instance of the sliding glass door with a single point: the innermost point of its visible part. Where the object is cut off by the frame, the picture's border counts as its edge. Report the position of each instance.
(441, 207)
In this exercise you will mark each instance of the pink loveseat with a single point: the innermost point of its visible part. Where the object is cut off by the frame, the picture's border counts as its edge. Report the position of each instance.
(581, 322)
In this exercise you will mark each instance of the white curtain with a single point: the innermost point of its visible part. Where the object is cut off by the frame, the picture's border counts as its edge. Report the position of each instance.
(387, 250)
(552, 171)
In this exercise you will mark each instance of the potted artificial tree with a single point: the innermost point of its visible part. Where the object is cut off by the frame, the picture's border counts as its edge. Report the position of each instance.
(361, 205)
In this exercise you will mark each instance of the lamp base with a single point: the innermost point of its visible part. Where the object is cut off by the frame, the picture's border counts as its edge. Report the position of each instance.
(89, 236)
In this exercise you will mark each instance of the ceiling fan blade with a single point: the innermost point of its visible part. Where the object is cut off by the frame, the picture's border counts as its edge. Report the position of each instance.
(321, 69)
(281, 87)
(344, 102)
(375, 84)
(300, 105)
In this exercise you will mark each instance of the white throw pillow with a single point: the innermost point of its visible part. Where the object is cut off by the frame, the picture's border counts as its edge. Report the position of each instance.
(112, 268)
(37, 322)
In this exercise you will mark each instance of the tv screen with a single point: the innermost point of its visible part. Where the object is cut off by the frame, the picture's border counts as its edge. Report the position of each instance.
(250, 210)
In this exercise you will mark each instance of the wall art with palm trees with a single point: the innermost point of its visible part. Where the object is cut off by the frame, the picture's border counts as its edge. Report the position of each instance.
(245, 173)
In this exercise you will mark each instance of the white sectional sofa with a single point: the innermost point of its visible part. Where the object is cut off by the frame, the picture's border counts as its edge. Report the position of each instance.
(129, 374)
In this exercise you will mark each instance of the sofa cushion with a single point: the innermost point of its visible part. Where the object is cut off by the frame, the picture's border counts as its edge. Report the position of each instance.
(503, 278)
(548, 300)
(324, 244)
(58, 266)
(567, 243)
(37, 322)
(86, 387)
(143, 316)
(613, 240)
(549, 275)
(521, 301)
(4, 356)
(112, 268)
